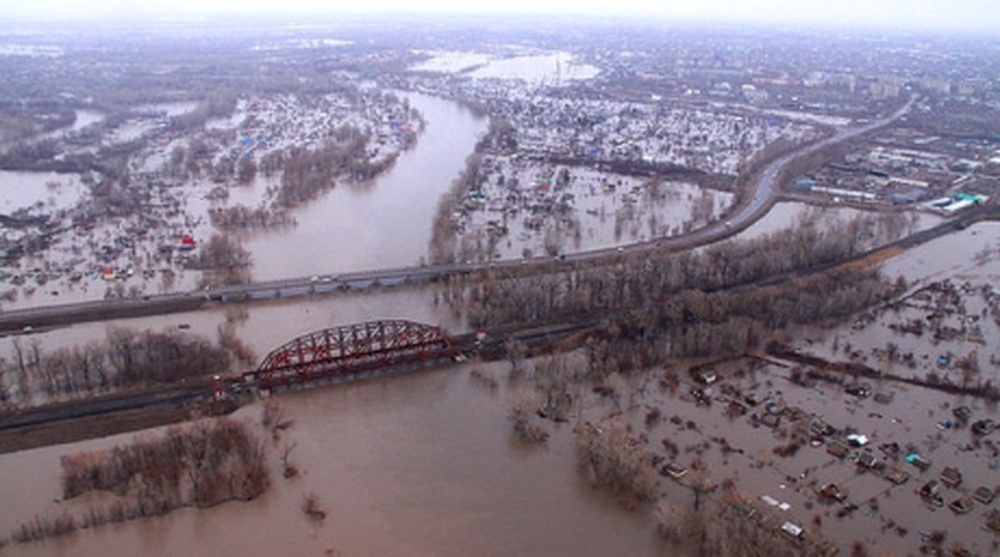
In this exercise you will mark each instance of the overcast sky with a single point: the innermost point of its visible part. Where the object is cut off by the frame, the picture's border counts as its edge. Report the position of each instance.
(950, 15)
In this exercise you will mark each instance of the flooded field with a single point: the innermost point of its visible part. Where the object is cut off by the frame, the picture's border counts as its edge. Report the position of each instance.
(790, 214)
(549, 67)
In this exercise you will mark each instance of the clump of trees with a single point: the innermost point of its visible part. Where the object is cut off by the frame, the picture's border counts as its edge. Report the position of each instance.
(202, 465)
(35, 116)
(230, 341)
(225, 261)
(27, 155)
(723, 301)
(309, 172)
(124, 359)
(241, 217)
(516, 296)
(218, 104)
(725, 526)
(522, 417)
(728, 323)
(39, 528)
(272, 419)
(312, 507)
(611, 456)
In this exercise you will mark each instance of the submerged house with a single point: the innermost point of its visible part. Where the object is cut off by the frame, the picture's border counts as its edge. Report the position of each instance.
(951, 477)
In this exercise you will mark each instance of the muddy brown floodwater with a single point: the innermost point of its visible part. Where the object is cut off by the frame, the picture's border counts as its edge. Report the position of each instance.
(416, 464)
(382, 224)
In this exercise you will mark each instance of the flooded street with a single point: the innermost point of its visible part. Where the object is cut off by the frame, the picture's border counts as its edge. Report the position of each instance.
(415, 464)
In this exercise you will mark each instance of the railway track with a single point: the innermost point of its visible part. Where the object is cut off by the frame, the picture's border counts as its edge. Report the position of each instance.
(168, 401)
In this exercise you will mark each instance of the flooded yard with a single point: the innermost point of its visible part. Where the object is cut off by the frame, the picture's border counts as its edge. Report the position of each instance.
(745, 448)
(950, 310)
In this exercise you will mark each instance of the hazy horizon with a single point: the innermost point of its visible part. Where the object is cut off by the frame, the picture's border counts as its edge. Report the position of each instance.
(961, 16)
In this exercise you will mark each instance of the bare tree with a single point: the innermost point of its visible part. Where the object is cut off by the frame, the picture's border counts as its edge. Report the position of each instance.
(4, 384)
(613, 457)
(290, 470)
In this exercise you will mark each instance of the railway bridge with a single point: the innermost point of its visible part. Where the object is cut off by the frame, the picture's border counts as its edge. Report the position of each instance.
(351, 350)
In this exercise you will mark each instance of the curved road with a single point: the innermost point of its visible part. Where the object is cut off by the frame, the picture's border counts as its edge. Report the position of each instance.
(753, 208)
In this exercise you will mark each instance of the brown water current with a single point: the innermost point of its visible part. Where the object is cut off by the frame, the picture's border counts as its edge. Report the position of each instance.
(360, 226)
(415, 464)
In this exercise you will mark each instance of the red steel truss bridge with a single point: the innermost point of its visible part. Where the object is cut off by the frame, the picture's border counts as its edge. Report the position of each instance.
(351, 350)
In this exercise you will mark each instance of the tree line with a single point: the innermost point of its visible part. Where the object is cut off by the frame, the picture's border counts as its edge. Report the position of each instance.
(723, 301)
(500, 137)
(202, 465)
(656, 279)
(306, 173)
(125, 359)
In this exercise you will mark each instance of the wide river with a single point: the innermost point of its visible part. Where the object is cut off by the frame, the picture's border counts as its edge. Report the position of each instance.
(381, 224)
(416, 464)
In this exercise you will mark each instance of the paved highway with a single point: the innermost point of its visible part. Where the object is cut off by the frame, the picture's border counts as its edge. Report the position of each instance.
(754, 206)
